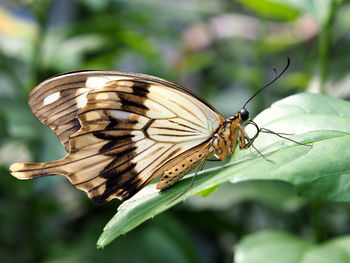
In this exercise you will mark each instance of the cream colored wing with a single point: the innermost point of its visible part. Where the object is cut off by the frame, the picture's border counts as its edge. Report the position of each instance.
(123, 129)
(56, 103)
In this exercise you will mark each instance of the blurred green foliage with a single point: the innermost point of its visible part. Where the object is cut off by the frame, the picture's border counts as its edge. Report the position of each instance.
(223, 50)
(273, 246)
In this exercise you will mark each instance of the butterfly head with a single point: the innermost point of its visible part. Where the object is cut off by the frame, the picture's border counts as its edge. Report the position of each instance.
(243, 115)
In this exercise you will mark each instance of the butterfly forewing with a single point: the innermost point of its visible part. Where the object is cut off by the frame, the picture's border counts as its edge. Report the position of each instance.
(121, 129)
(55, 103)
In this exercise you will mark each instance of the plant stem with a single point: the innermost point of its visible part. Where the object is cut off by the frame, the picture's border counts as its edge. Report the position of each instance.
(325, 43)
(317, 223)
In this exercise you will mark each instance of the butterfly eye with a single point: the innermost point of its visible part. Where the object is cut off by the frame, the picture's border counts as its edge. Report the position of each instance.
(244, 114)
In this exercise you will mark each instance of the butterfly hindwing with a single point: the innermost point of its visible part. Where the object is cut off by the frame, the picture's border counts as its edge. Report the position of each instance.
(122, 130)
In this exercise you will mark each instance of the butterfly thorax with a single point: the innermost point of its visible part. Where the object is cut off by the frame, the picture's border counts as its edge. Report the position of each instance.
(225, 140)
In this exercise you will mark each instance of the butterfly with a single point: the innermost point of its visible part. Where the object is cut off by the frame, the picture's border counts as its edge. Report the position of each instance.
(123, 130)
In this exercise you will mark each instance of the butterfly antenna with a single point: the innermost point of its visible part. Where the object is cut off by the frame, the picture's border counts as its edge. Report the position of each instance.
(275, 77)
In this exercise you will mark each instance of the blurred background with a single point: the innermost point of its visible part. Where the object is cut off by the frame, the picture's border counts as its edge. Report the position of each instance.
(223, 50)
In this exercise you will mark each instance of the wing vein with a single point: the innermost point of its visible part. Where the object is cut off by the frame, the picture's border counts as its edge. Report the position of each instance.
(112, 168)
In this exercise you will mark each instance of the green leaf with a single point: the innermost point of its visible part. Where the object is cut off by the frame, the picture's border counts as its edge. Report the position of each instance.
(318, 9)
(289, 9)
(272, 246)
(272, 9)
(317, 171)
(205, 193)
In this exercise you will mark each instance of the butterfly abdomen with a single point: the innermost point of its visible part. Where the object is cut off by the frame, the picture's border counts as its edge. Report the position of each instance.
(178, 170)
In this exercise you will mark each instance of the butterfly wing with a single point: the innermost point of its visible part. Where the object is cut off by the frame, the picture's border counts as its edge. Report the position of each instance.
(56, 103)
(121, 129)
